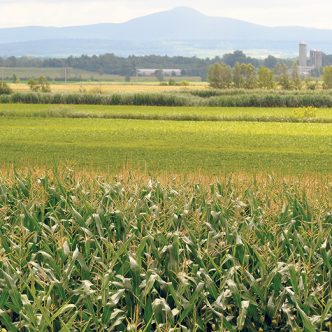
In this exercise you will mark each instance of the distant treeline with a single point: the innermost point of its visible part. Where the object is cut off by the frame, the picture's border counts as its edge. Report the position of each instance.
(115, 65)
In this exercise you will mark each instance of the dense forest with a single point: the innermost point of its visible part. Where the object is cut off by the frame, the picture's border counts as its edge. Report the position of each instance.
(112, 64)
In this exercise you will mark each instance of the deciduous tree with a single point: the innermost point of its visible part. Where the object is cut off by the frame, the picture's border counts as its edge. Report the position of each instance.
(327, 77)
(40, 85)
(220, 76)
(245, 76)
(265, 78)
(283, 78)
(296, 79)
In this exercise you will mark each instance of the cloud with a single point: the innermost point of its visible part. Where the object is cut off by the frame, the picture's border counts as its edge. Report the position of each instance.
(77, 12)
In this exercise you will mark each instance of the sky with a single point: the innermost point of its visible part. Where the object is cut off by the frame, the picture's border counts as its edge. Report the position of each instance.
(77, 12)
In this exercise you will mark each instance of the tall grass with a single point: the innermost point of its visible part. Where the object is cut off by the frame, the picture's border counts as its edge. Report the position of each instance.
(236, 98)
(271, 100)
(152, 99)
(138, 255)
(206, 93)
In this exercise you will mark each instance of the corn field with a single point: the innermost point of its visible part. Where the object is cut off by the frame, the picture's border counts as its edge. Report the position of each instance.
(136, 254)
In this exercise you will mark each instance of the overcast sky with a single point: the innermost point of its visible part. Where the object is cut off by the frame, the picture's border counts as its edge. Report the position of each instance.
(76, 12)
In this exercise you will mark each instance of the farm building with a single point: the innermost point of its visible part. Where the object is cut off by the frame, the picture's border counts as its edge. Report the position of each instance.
(307, 65)
(152, 72)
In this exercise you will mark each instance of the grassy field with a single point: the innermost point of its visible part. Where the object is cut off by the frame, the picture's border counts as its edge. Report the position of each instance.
(134, 253)
(168, 146)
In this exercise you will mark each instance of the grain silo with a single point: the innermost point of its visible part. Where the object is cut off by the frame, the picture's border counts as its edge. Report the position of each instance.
(303, 55)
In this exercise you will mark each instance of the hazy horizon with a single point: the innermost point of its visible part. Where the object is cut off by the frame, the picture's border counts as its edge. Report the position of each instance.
(84, 12)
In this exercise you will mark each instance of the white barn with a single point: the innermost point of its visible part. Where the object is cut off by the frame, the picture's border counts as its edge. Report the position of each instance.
(152, 72)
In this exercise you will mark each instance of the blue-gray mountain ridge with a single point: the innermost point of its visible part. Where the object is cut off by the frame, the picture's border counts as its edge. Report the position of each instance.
(181, 31)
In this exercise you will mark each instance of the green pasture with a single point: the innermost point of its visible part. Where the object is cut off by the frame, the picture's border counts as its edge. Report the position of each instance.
(171, 146)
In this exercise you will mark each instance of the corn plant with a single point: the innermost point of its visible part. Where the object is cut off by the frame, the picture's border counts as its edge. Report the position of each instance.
(133, 254)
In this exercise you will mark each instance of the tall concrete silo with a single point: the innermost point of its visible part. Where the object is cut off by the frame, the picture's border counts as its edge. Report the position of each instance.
(303, 60)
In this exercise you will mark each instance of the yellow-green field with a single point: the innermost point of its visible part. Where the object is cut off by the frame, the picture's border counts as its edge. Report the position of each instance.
(271, 114)
(40, 135)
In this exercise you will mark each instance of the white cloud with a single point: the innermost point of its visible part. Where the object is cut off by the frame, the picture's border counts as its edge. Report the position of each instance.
(77, 12)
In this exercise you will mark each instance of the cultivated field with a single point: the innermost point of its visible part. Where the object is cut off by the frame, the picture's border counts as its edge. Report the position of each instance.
(133, 254)
(41, 135)
(149, 218)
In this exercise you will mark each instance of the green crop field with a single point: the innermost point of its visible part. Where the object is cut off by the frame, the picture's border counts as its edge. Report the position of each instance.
(141, 219)
(40, 135)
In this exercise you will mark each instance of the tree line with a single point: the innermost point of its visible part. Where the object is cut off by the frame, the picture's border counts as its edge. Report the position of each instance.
(246, 76)
(127, 66)
(190, 66)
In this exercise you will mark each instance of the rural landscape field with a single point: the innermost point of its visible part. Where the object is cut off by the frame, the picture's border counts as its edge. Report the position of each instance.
(142, 218)
(163, 193)
(170, 139)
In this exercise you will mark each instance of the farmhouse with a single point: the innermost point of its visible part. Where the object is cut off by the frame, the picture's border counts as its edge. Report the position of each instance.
(152, 72)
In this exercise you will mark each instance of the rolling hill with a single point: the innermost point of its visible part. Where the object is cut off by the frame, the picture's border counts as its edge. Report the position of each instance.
(181, 31)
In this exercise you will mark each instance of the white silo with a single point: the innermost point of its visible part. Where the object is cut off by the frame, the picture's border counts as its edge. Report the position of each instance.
(303, 60)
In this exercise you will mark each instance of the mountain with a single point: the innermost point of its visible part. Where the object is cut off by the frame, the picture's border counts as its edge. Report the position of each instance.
(181, 31)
